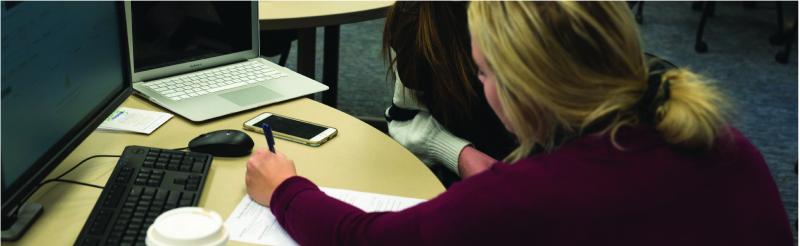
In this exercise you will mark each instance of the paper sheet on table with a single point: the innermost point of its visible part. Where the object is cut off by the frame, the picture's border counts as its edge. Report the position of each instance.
(253, 223)
(134, 120)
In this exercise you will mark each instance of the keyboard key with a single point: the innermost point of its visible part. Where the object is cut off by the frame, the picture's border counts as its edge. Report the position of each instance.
(128, 240)
(198, 167)
(188, 196)
(135, 192)
(227, 87)
(173, 198)
(185, 203)
(198, 157)
(162, 195)
(149, 191)
(113, 241)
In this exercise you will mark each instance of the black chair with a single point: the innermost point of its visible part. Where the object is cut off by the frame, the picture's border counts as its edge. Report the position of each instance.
(639, 5)
(700, 46)
(780, 37)
(278, 42)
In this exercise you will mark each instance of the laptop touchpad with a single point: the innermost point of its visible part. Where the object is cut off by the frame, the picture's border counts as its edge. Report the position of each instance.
(251, 95)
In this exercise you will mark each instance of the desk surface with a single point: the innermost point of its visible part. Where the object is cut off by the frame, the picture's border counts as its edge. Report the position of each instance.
(359, 158)
(277, 15)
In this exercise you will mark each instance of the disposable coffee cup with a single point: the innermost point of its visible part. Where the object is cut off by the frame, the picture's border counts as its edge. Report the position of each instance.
(187, 226)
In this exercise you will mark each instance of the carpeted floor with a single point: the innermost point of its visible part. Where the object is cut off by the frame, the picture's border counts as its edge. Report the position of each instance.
(740, 60)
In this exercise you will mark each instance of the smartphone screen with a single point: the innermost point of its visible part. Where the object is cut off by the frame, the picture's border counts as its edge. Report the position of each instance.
(292, 127)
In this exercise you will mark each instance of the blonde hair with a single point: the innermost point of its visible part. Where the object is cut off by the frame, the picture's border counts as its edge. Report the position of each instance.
(562, 67)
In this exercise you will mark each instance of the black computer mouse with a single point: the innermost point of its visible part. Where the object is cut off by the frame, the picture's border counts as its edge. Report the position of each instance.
(223, 143)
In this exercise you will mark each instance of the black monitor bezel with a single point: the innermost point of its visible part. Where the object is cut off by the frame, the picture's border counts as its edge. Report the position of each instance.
(24, 185)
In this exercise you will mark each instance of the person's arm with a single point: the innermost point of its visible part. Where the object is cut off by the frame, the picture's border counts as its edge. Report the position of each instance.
(311, 217)
(428, 140)
(472, 161)
(470, 212)
(458, 216)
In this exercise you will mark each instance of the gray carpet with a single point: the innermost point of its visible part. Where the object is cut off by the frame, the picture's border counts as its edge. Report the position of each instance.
(740, 59)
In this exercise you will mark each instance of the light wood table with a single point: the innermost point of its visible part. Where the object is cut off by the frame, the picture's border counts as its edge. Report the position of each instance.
(306, 16)
(358, 158)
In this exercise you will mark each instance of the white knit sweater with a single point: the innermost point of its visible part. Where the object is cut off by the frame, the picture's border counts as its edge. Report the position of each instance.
(423, 135)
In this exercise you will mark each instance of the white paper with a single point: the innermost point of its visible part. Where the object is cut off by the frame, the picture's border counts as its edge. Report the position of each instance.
(134, 120)
(253, 223)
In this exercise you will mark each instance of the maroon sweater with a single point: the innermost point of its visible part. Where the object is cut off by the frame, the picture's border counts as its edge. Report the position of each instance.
(585, 193)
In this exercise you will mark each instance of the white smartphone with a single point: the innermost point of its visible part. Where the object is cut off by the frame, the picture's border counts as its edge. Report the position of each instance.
(291, 129)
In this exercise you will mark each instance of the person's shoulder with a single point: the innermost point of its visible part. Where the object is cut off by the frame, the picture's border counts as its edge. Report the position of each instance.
(733, 144)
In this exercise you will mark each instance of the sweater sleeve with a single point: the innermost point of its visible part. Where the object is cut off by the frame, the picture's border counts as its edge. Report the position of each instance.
(423, 135)
(311, 217)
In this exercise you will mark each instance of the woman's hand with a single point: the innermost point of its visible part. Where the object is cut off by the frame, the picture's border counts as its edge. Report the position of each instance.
(265, 171)
(472, 161)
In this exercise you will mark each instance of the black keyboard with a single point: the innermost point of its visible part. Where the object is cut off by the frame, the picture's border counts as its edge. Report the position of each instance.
(145, 183)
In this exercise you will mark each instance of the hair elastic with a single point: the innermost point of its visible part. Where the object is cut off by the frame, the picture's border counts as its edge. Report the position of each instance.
(650, 101)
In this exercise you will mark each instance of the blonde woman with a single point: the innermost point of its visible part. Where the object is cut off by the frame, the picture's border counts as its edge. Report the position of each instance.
(628, 160)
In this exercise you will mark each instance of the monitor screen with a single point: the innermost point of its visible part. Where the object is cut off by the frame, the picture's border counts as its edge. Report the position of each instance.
(169, 33)
(64, 68)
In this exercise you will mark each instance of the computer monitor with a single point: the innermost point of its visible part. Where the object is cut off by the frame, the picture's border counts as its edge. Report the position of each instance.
(65, 68)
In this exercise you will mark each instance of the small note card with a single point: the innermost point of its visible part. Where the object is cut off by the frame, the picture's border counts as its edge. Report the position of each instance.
(134, 120)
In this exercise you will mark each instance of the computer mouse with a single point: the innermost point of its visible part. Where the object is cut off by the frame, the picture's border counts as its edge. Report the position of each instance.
(223, 143)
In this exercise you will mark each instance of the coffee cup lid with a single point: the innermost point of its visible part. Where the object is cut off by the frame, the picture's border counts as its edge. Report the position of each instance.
(187, 226)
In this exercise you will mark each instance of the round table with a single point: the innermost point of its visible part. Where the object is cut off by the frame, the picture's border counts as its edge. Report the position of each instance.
(305, 17)
(359, 158)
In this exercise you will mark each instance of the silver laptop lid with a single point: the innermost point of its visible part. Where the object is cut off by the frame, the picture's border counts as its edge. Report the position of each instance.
(178, 36)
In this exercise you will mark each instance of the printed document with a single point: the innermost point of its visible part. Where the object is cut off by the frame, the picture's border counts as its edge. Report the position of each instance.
(253, 223)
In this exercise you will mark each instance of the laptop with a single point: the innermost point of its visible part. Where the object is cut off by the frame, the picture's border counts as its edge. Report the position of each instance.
(201, 60)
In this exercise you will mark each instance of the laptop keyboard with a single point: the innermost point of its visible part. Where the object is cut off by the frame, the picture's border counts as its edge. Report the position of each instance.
(213, 80)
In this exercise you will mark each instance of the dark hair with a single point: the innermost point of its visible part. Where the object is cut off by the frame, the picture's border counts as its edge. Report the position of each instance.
(432, 39)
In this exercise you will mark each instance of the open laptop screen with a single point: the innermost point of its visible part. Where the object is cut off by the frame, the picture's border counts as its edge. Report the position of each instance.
(169, 33)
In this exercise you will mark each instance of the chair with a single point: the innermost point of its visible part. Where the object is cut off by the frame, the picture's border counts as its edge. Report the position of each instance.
(639, 5)
(780, 37)
(700, 46)
(278, 42)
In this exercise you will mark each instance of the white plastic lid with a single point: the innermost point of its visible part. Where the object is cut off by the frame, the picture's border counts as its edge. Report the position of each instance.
(187, 226)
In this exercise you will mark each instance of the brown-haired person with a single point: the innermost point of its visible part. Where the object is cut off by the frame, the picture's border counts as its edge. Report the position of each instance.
(438, 111)
(629, 159)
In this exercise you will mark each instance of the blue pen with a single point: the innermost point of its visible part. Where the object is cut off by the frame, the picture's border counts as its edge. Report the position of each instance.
(268, 134)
